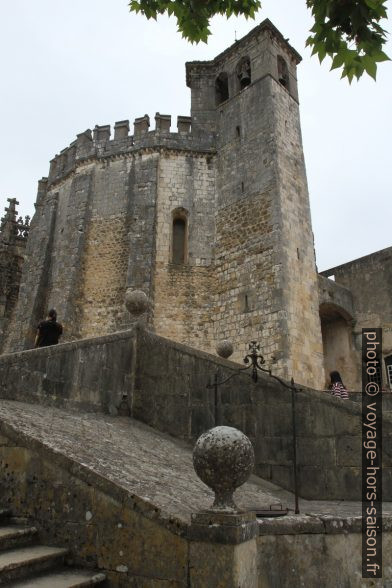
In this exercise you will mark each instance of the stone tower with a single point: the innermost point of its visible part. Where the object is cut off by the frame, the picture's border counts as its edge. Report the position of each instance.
(211, 221)
(264, 254)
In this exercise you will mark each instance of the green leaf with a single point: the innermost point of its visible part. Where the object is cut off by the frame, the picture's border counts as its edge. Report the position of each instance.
(338, 60)
(380, 56)
(370, 66)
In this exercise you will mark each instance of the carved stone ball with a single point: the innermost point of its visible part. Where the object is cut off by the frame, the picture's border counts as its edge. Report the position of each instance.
(224, 348)
(136, 301)
(223, 458)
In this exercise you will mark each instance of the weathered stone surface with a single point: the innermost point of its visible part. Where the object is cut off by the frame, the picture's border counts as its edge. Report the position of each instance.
(223, 458)
(223, 566)
(136, 302)
(93, 374)
(367, 281)
(120, 495)
(121, 455)
(105, 221)
(225, 348)
(283, 560)
(165, 384)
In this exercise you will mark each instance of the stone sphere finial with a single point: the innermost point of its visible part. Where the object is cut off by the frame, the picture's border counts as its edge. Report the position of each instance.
(224, 348)
(223, 458)
(136, 302)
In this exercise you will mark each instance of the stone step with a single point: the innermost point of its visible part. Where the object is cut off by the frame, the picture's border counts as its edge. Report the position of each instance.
(62, 579)
(16, 536)
(17, 564)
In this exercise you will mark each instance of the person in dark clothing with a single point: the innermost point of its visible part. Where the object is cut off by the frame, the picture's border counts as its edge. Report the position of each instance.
(337, 388)
(48, 331)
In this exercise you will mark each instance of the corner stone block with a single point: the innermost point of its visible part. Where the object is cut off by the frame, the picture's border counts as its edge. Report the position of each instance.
(42, 190)
(141, 125)
(83, 139)
(184, 124)
(71, 154)
(162, 122)
(62, 159)
(53, 168)
(102, 133)
(121, 130)
(223, 551)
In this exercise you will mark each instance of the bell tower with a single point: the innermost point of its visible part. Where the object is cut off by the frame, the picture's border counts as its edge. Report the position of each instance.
(266, 278)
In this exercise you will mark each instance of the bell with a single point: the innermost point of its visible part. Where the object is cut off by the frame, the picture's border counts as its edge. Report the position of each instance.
(244, 77)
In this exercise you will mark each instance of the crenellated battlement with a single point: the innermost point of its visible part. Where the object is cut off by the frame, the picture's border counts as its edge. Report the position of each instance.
(103, 141)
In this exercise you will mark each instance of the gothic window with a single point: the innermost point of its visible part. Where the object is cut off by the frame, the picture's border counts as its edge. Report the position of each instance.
(283, 72)
(221, 88)
(179, 237)
(244, 73)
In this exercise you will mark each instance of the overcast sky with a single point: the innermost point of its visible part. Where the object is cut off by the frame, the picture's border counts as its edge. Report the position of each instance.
(67, 66)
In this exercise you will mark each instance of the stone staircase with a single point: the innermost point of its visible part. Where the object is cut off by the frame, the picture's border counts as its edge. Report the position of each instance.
(26, 564)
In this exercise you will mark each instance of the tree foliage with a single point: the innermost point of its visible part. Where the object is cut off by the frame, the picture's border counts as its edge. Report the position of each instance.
(348, 31)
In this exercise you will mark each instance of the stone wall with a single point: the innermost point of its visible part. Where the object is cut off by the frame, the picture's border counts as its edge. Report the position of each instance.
(32, 298)
(93, 374)
(164, 384)
(171, 395)
(369, 279)
(95, 234)
(183, 293)
(266, 272)
(235, 172)
(100, 494)
(328, 555)
(101, 524)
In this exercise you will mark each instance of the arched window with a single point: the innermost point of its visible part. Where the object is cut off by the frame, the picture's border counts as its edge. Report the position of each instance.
(221, 88)
(244, 75)
(179, 237)
(283, 72)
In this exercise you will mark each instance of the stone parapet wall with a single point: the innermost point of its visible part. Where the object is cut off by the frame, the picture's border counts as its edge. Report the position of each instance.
(317, 559)
(101, 524)
(92, 374)
(100, 145)
(164, 384)
(122, 497)
(171, 395)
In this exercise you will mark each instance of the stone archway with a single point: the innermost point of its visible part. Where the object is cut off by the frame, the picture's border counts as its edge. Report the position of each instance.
(338, 345)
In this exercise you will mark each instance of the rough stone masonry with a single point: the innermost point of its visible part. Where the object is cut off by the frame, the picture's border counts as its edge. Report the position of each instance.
(212, 222)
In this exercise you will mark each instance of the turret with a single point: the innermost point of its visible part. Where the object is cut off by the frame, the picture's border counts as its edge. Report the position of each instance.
(263, 52)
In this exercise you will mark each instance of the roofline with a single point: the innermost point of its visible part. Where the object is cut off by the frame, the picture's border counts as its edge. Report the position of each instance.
(357, 260)
(266, 24)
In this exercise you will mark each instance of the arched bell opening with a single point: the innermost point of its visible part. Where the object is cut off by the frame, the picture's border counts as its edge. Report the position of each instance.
(244, 74)
(221, 88)
(283, 72)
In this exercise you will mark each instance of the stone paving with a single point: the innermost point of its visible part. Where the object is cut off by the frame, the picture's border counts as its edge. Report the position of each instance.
(154, 466)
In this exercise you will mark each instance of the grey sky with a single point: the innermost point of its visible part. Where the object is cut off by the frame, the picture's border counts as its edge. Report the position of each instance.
(67, 66)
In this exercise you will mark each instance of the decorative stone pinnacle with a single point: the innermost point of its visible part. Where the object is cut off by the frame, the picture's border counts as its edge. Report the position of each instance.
(136, 302)
(223, 458)
(224, 348)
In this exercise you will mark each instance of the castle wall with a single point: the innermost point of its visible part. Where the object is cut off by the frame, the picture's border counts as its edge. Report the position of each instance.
(105, 257)
(34, 284)
(369, 279)
(183, 293)
(247, 218)
(304, 352)
(265, 255)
